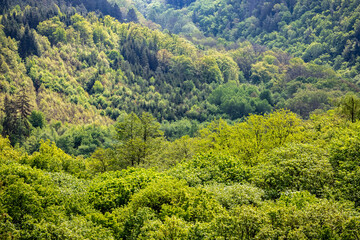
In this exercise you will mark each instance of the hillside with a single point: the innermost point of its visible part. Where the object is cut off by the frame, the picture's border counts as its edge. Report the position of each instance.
(186, 119)
(326, 32)
(100, 65)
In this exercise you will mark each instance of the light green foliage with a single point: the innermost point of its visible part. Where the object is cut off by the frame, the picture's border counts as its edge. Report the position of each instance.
(210, 71)
(169, 197)
(211, 168)
(98, 87)
(114, 189)
(109, 194)
(138, 138)
(7, 152)
(53, 29)
(171, 228)
(350, 107)
(294, 167)
(53, 159)
(230, 196)
(297, 215)
(344, 157)
(36, 205)
(248, 139)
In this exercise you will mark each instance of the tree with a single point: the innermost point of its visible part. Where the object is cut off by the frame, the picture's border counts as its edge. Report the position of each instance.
(37, 119)
(128, 132)
(132, 16)
(102, 160)
(9, 121)
(137, 137)
(23, 107)
(27, 45)
(350, 107)
(15, 123)
(98, 87)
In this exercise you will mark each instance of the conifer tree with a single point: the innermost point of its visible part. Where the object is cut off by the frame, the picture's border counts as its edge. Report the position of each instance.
(131, 16)
(15, 122)
(9, 121)
(23, 107)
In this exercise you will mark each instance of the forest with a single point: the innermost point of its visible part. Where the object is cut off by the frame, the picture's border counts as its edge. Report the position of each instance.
(179, 119)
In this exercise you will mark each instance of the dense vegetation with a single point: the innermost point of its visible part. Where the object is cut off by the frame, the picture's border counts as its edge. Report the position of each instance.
(269, 177)
(103, 68)
(326, 32)
(114, 129)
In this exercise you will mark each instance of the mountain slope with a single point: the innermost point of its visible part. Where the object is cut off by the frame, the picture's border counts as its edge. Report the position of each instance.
(327, 32)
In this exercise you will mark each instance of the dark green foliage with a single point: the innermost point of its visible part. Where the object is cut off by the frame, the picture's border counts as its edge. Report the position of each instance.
(28, 45)
(131, 16)
(83, 140)
(240, 101)
(24, 108)
(37, 119)
(10, 119)
(177, 129)
(15, 122)
(179, 3)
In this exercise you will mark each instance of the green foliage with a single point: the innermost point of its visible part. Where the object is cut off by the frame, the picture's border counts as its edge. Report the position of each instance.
(138, 138)
(98, 87)
(84, 140)
(169, 197)
(177, 129)
(230, 164)
(211, 168)
(230, 196)
(37, 119)
(296, 167)
(294, 216)
(113, 190)
(350, 107)
(344, 157)
(239, 101)
(7, 152)
(53, 159)
(16, 125)
(33, 206)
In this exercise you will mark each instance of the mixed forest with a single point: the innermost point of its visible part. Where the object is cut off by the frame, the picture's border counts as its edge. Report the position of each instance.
(179, 119)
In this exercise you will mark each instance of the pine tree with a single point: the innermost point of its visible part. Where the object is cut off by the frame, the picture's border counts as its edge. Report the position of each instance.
(27, 44)
(23, 107)
(15, 122)
(131, 16)
(10, 119)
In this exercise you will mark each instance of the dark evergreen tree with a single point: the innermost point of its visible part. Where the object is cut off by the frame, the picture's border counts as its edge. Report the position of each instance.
(15, 122)
(4, 6)
(23, 108)
(131, 16)
(10, 119)
(28, 46)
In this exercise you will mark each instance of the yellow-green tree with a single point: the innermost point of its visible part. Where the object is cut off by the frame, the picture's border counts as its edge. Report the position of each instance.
(138, 137)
